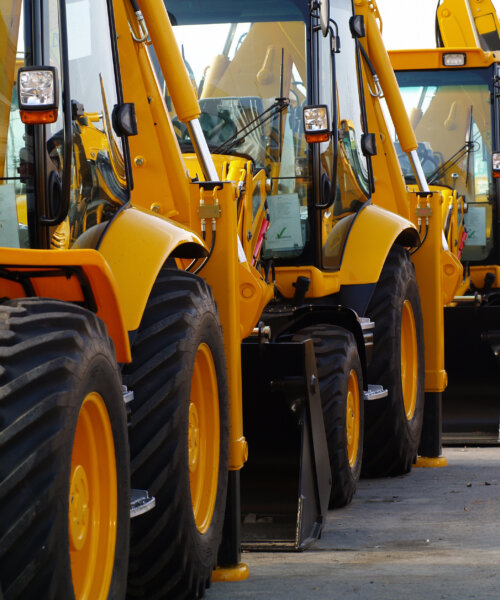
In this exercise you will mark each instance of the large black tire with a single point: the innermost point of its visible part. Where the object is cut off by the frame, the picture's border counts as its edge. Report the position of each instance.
(171, 557)
(63, 455)
(393, 425)
(341, 386)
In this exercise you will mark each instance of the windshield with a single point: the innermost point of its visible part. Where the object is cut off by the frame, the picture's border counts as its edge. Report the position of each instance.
(98, 184)
(247, 63)
(451, 113)
(250, 75)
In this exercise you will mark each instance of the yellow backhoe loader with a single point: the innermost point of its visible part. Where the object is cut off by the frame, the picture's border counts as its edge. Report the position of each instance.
(152, 307)
(324, 242)
(451, 94)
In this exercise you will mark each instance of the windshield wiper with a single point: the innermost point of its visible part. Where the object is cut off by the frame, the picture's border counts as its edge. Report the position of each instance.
(277, 107)
(466, 150)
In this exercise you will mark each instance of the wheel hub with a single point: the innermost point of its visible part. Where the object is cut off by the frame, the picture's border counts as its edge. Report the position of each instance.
(79, 509)
(350, 418)
(194, 437)
(409, 360)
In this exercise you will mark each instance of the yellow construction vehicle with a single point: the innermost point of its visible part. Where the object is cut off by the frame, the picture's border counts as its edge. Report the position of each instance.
(91, 303)
(151, 306)
(451, 96)
(253, 77)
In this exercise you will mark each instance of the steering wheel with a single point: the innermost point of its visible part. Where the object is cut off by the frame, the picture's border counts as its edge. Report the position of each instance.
(218, 129)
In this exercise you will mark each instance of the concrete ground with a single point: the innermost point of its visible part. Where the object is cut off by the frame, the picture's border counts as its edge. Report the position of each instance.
(432, 534)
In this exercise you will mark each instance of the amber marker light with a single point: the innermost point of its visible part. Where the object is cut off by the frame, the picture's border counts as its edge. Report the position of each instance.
(37, 95)
(316, 124)
(495, 163)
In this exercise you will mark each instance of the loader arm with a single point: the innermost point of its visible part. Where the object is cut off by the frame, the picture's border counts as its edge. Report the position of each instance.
(467, 23)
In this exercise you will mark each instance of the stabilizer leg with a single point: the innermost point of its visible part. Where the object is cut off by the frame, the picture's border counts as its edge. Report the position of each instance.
(430, 449)
(230, 567)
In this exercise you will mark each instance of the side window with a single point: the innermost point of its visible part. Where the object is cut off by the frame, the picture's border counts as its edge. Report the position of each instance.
(352, 167)
(98, 186)
(16, 151)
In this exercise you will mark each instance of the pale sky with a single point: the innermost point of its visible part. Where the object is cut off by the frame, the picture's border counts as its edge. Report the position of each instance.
(410, 23)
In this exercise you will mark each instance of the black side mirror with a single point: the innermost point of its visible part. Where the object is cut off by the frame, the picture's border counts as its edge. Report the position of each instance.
(124, 119)
(369, 144)
(357, 26)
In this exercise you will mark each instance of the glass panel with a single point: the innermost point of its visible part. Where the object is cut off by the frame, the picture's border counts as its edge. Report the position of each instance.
(98, 186)
(250, 74)
(352, 165)
(16, 155)
(352, 169)
(452, 116)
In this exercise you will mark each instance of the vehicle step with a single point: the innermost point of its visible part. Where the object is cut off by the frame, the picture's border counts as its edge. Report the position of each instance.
(140, 502)
(128, 395)
(375, 392)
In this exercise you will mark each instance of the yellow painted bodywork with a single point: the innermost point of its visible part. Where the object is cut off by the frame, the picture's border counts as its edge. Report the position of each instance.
(92, 501)
(431, 462)
(241, 296)
(409, 360)
(366, 251)
(462, 22)
(248, 185)
(204, 438)
(138, 242)
(162, 181)
(438, 272)
(478, 273)
(390, 190)
(429, 270)
(136, 246)
(101, 279)
(409, 60)
(364, 255)
(239, 572)
(160, 175)
(170, 58)
(379, 58)
(353, 418)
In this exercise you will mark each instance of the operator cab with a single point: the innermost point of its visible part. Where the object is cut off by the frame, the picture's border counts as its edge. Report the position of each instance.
(63, 179)
(453, 114)
(255, 67)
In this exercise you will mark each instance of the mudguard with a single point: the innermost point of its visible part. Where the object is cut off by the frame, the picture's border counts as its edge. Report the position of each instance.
(373, 233)
(81, 276)
(136, 245)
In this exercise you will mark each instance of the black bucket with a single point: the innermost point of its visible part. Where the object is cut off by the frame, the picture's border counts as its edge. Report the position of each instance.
(471, 402)
(286, 483)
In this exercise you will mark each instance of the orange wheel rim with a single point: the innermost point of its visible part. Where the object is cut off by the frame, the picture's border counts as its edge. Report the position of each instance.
(92, 502)
(204, 438)
(409, 360)
(352, 418)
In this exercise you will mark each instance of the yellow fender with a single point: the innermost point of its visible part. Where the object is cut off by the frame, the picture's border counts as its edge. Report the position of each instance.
(373, 233)
(136, 246)
(68, 275)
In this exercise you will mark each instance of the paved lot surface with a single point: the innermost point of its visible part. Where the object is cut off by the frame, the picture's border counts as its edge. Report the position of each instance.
(432, 534)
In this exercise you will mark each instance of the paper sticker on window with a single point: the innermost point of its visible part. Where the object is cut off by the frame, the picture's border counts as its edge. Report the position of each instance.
(475, 222)
(9, 227)
(285, 231)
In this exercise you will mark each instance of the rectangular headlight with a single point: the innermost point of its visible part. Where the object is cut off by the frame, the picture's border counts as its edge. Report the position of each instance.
(37, 94)
(457, 59)
(316, 123)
